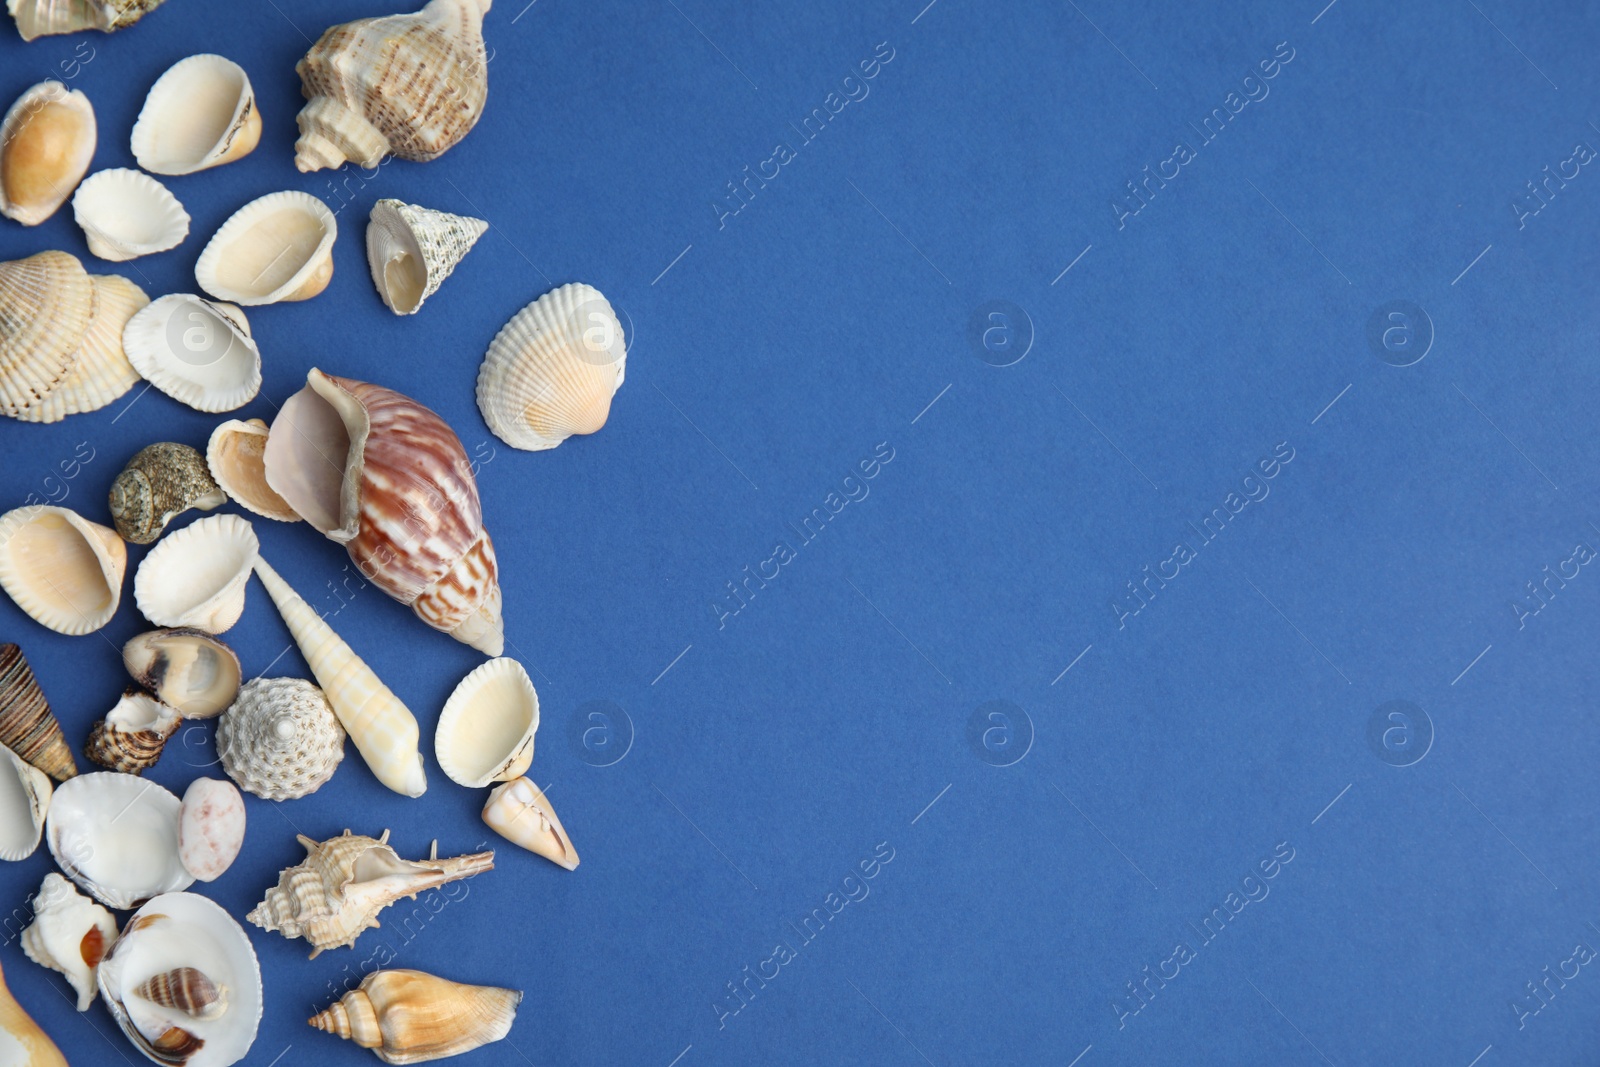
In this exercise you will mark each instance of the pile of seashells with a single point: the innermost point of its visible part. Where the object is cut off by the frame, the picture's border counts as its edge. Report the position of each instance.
(369, 468)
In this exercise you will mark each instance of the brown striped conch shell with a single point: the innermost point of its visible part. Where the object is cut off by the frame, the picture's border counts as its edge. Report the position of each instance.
(27, 726)
(63, 570)
(70, 933)
(46, 142)
(412, 250)
(519, 812)
(413, 1017)
(99, 372)
(280, 739)
(26, 1044)
(132, 735)
(160, 482)
(46, 302)
(40, 18)
(388, 479)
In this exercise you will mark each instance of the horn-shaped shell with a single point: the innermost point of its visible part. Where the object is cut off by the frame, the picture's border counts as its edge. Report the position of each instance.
(25, 1043)
(412, 250)
(388, 479)
(116, 836)
(280, 739)
(187, 669)
(278, 247)
(519, 812)
(197, 351)
(210, 827)
(40, 18)
(27, 726)
(201, 113)
(125, 214)
(46, 142)
(100, 371)
(552, 370)
(24, 803)
(235, 455)
(196, 576)
(345, 881)
(383, 728)
(485, 732)
(160, 482)
(63, 570)
(413, 1017)
(406, 85)
(132, 735)
(70, 933)
(46, 303)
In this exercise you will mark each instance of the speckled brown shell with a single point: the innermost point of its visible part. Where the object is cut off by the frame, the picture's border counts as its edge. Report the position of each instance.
(159, 483)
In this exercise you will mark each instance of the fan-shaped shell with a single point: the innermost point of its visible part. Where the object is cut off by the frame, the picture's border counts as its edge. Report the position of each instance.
(100, 372)
(70, 933)
(485, 732)
(132, 735)
(201, 113)
(196, 576)
(27, 726)
(46, 302)
(280, 739)
(236, 456)
(24, 800)
(278, 247)
(187, 669)
(47, 139)
(125, 214)
(39, 18)
(160, 482)
(412, 250)
(63, 570)
(197, 351)
(116, 835)
(552, 370)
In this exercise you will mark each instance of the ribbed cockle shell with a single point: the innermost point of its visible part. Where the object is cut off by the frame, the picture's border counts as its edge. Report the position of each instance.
(412, 1017)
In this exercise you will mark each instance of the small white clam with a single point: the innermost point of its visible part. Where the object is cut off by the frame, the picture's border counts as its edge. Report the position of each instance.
(201, 113)
(196, 576)
(485, 732)
(210, 827)
(126, 214)
(116, 835)
(60, 568)
(277, 247)
(24, 803)
(70, 933)
(197, 351)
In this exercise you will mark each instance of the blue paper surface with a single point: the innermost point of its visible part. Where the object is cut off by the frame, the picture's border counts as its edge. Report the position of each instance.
(974, 637)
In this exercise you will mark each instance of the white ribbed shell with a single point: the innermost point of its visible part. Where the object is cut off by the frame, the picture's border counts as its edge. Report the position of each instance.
(280, 739)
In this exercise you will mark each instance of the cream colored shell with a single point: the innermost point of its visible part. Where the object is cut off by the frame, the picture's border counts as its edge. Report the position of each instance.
(280, 739)
(24, 801)
(125, 214)
(46, 302)
(63, 570)
(39, 18)
(197, 351)
(486, 729)
(235, 456)
(70, 933)
(412, 250)
(47, 140)
(277, 247)
(100, 371)
(196, 576)
(116, 836)
(200, 113)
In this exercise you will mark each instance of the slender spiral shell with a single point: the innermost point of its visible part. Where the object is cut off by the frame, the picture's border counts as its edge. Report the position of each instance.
(280, 739)
(27, 726)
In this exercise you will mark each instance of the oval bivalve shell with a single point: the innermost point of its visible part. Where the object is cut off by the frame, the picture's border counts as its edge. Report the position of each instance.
(197, 351)
(485, 732)
(278, 247)
(201, 113)
(116, 835)
(46, 142)
(63, 570)
(125, 214)
(210, 828)
(187, 669)
(24, 801)
(160, 482)
(196, 576)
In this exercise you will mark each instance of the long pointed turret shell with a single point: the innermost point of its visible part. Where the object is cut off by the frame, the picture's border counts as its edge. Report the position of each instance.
(116, 836)
(63, 570)
(280, 739)
(26, 1044)
(39, 18)
(412, 1017)
(197, 351)
(46, 302)
(201, 113)
(412, 250)
(277, 247)
(24, 802)
(27, 726)
(519, 812)
(132, 735)
(383, 728)
(160, 482)
(125, 214)
(485, 732)
(100, 371)
(187, 669)
(46, 142)
(70, 933)
(235, 455)
(197, 576)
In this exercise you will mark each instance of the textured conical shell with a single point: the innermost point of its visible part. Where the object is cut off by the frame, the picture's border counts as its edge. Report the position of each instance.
(187, 669)
(63, 570)
(196, 576)
(413, 1017)
(39, 18)
(24, 801)
(485, 732)
(132, 735)
(46, 302)
(210, 827)
(27, 726)
(125, 214)
(277, 247)
(197, 351)
(412, 250)
(235, 456)
(280, 739)
(519, 812)
(552, 370)
(160, 482)
(70, 933)
(383, 729)
(100, 372)
(201, 113)
(116, 835)
(345, 881)
(46, 142)
(406, 85)
(25, 1043)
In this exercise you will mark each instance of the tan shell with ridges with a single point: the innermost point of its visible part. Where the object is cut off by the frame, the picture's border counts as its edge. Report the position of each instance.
(63, 570)
(46, 302)
(27, 726)
(411, 1017)
(235, 455)
(100, 371)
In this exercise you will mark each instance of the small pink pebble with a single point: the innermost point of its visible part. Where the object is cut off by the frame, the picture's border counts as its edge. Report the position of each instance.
(210, 827)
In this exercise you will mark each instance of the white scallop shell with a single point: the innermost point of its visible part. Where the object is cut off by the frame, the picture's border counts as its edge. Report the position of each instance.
(235, 456)
(100, 372)
(280, 739)
(126, 214)
(36, 177)
(278, 247)
(196, 576)
(46, 302)
(485, 732)
(552, 370)
(63, 570)
(116, 835)
(24, 800)
(201, 113)
(196, 351)
(70, 933)
(412, 250)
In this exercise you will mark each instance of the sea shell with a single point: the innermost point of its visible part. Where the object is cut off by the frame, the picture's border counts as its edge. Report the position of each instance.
(413, 1017)
(210, 827)
(519, 812)
(201, 113)
(24, 801)
(183, 983)
(100, 372)
(388, 479)
(383, 728)
(280, 739)
(345, 881)
(126, 214)
(39, 18)
(46, 142)
(485, 732)
(27, 726)
(46, 302)
(70, 933)
(412, 250)
(552, 370)
(63, 570)
(132, 735)
(24, 1043)
(197, 351)
(196, 576)
(116, 835)
(187, 669)
(235, 456)
(278, 247)
(160, 482)
(406, 85)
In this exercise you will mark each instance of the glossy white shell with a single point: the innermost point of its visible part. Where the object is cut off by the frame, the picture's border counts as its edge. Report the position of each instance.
(485, 732)
(196, 576)
(24, 801)
(116, 835)
(210, 827)
(197, 351)
(199, 114)
(278, 247)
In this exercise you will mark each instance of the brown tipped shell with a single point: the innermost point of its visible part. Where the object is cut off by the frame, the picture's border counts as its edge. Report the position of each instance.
(132, 735)
(411, 1017)
(161, 482)
(27, 726)
(185, 989)
(46, 302)
(187, 669)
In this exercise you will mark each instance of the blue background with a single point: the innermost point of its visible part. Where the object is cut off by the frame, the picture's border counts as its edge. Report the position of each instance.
(764, 755)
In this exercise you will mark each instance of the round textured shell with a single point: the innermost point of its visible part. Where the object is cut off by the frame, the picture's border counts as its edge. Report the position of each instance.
(100, 372)
(46, 302)
(160, 482)
(280, 739)
(47, 140)
(235, 456)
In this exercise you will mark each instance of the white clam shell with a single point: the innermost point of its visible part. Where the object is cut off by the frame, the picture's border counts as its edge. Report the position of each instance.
(126, 214)
(519, 812)
(201, 113)
(116, 835)
(236, 456)
(278, 247)
(210, 827)
(196, 351)
(552, 370)
(100, 372)
(47, 140)
(280, 739)
(412, 250)
(63, 570)
(485, 732)
(24, 802)
(196, 576)
(70, 933)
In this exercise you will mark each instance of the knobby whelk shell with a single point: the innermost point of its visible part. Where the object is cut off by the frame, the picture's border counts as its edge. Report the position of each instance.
(47, 139)
(186, 668)
(46, 303)
(196, 576)
(411, 1017)
(27, 726)
(100, 371)
(160, 482)
(197, 351)
(133, 733)
(201, 113)
(70, 933)
(277, 247)
(405, 85)
(412, 250)
(125, 214)
(236, 456)
(210, 827)
(40, 18)
(27, 1044)
(24, 802)
(519, 812)
(280, 739)
(116, 835)
(63, 570)
(485, 732)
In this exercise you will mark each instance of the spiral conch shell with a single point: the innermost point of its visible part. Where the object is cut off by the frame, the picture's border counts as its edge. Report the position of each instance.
(46, 142)
(388, 479)
(337, 892)
(412, 1017)
(161, 482)
(280, 739)
(405, 85)
(132, 735)
(40, 18)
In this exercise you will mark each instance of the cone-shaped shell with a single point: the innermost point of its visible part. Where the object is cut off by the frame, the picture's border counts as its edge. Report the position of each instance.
(46, 142)
(201, 113)
(24, 800)
(70, 933)
(406, 85)
(160, 482)
(46, 302)
(116, 835)
(383, 728)
(210, 827)
(39, 18)
(125, 214)
(100, 371)
(388, 479)
(27, 726)
(412, 1017)
(132, 735)
(187, 669)
(519, 812)
(235, 455)
(412, 250)
(63, 570)
(280, 739)
(552, 370)
(278, 247)
(25, 1043)
(196, 576)
(485, 732)
(197, 351)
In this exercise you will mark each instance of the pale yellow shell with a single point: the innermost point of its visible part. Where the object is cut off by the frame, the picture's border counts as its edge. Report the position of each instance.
(100, 372)
(413, 1017)
(46, 302)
